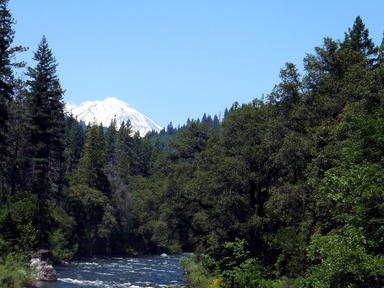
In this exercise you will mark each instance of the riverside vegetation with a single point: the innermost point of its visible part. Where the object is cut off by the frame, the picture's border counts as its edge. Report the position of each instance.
(286, 191)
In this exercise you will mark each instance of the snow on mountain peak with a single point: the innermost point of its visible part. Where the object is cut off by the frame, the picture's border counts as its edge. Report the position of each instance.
(106, 110)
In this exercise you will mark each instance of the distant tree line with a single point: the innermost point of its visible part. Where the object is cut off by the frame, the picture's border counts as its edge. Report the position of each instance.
(165, 135)
(281, 192)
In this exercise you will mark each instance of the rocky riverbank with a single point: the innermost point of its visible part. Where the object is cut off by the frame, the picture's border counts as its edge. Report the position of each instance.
(41, 265)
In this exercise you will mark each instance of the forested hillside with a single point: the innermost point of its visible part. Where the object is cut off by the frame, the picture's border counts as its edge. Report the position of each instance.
(285, 191)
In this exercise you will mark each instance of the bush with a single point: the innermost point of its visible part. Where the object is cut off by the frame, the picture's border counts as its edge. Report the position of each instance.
(61, 250)
(197, 274)
(15, 272)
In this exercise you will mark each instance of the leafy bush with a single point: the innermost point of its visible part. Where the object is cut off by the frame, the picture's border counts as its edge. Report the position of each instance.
(232, 269)
(15, 272)
(341, 260)
(197, 274)
(60, 248)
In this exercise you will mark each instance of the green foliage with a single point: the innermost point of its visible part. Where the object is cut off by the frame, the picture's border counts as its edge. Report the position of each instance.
(91, 210)
(298, 178)
(358, 39)
(191, 141)
(145, 212)
(60, 246)
(20, 223)
(75, 137)
(124, 149)
(250, 274)
(15, 272)
(60, 242)
(238, 267)
(7, 79)
(343, 261)
(233, 269)
(198, 274)
(47, 125)
(351, 255)
(91, 168)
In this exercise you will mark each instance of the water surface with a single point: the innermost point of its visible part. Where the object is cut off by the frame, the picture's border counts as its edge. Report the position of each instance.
(143, 271)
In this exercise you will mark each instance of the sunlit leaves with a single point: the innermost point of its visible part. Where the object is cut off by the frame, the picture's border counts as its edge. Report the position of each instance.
(343, 261)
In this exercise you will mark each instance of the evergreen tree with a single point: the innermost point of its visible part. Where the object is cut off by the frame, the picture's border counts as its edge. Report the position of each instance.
(7, 53)
(209, 121)
(47, 123)
(170, 129)
(155, 155)
(75, 142)
(191, 141)
(146, 154)
(110, 142)
(136, 161)
(17, 158)
(90, 195)
(57, 161)
(216, 124)
(358, 39)
(204, 119)
(380, 58)
(225, 113)
(124, 148)
(91, 168)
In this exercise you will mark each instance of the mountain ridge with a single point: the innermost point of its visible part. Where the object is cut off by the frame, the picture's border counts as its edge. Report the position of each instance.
(104, 111)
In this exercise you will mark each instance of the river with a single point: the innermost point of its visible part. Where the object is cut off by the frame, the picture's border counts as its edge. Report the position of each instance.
(143, 271)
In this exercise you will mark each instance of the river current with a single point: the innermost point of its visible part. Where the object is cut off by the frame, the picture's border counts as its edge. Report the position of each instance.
(143, 271)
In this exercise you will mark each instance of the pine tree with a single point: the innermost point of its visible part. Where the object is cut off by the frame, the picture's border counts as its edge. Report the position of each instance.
(136, 158)
(7, 53)
(204, 119)
(17, 158)
(124, 148)
(358, 39)
(141, 155)
(6, 37)
(92, 163)
(46, 109)
(225, 113)
(216, 124)
(57, 161)
(110, 142)
(170, 129)
(75, 141)
(90, 196)
(380, 58)
(209, 121)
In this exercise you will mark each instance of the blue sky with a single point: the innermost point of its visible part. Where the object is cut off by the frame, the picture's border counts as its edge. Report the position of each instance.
(178, 59)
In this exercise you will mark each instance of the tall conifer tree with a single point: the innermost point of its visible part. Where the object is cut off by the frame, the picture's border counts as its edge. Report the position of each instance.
(7, 82)
(358, 39)
(110, 142)
(17, 157)
(124, 148)
(6, 52)
(46, 109)
(74, 142)
(91, 168)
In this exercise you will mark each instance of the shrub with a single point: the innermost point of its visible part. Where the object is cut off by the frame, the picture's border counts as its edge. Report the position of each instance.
(15, 272)
(197, 274)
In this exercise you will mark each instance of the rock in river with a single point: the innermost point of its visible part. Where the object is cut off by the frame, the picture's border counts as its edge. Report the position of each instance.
(42, 267)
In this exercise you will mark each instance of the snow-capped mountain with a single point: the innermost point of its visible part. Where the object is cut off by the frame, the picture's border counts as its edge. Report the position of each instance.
(110, 108)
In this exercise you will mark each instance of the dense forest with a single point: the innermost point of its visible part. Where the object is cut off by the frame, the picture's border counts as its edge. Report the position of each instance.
(284, 191)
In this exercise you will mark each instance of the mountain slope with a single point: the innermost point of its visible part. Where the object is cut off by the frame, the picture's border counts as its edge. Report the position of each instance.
(104, 111)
